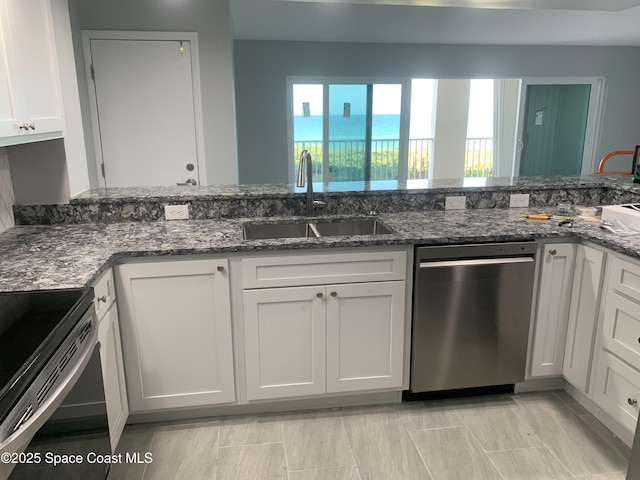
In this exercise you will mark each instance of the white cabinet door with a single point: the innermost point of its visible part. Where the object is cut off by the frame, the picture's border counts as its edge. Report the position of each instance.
(621, 328)
(583, 316)
(552, 313)
(115, 390)
(365, 336)
(284, 330)
(616, 389)
(31, 69)
(176, 333)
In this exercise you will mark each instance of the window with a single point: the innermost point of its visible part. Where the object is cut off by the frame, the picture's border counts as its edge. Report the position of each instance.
(372, 130)
(352, 130)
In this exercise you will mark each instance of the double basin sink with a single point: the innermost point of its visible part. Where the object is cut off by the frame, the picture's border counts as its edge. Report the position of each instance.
(313, 229)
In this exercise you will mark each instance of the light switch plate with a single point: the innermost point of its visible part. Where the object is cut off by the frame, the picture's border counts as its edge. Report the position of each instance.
(518, 200)
(176, 212)
(458, 202)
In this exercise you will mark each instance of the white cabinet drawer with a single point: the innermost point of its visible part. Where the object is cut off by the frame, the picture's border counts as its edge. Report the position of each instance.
(625, 277)
(617, 389)
(323, 268)
(105, 293)
(621, 328)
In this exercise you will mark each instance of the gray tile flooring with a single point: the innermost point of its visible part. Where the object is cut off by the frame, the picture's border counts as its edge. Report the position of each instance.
(542, 436)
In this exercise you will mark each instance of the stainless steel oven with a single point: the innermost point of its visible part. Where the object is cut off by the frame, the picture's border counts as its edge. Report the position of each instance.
(471, 315)
(52, 407)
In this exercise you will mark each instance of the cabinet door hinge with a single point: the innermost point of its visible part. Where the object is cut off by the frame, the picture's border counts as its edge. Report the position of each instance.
(93, 73)
(102, 168)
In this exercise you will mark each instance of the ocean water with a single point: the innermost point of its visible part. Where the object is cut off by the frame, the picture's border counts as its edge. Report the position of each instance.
(340, 128)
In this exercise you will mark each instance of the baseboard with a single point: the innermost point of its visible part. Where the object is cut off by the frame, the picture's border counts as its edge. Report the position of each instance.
(269, 407)
(616, 428)
(540, 384)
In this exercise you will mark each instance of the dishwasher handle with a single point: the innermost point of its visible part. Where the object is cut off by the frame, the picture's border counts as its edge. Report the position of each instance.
(476, 262)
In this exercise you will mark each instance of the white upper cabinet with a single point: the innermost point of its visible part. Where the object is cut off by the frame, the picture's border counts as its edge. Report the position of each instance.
(30, 100)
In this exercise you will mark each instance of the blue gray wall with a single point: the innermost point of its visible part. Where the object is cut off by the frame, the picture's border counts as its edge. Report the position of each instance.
(262, 67)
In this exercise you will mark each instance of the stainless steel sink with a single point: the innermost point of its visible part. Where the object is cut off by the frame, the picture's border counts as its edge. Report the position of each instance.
(355, 227)
(254, 231)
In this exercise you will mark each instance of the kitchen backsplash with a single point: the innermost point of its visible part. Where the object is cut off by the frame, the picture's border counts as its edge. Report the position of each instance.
(7, 198)
(147, 204)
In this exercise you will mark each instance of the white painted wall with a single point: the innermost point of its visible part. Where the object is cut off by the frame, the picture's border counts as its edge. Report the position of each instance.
(262, 67)
(212, 22)
(74, 146)
(451, 129)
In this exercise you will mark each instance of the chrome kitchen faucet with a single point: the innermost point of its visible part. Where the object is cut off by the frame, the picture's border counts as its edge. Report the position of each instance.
(305, 161)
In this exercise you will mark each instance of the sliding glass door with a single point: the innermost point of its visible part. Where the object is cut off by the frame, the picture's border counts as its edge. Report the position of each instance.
(352, 130)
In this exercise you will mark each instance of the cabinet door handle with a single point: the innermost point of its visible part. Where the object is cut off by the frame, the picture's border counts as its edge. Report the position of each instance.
(220, 268)
(553, 251)
(319, 295)
(632, 401)
(334, 294)
(102, 299)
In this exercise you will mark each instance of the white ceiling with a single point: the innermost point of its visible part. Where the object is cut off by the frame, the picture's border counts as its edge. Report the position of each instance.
(488, 22)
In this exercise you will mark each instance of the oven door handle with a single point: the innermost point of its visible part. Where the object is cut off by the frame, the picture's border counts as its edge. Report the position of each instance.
(476, 262)
(18, 440)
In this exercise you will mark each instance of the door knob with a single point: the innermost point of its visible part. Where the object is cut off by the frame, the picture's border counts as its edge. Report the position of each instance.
(220, 268)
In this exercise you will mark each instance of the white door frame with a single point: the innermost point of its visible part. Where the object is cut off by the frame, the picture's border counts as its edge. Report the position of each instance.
(192, 38)
(594, 117)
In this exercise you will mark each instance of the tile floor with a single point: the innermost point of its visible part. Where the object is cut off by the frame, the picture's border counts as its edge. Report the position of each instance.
(543, 436)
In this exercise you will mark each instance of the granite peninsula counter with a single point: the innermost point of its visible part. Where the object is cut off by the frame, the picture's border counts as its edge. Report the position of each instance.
(69, 245)
(68, 256)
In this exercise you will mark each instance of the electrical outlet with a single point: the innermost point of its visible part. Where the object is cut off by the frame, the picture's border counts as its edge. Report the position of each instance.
(518, 200)
(176, 212)
(455, 203)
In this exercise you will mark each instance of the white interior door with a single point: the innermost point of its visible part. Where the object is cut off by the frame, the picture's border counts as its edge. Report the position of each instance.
(145, 111)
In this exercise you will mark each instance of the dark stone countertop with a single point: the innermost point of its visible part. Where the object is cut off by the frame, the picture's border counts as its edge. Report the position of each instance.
(69, 256)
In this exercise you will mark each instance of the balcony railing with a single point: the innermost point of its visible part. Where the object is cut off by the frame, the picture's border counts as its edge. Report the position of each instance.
(346, 158)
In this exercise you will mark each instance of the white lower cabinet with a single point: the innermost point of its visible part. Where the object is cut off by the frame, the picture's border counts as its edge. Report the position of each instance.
(176, 333)
(365, 325)
(583, 316)
(285, 342)
(115, 390)
(328, 338)
(113, 379)
(616, 381)
(552, 309)
(617, 389)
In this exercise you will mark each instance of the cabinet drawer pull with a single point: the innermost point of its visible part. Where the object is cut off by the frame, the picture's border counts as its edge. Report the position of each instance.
(319, 295)
(102, 299)
(220, 268)
(553, 251)
(632, 401)
(334, 294)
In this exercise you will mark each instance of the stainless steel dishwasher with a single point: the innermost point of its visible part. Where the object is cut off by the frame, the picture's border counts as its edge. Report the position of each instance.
(471, 314)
